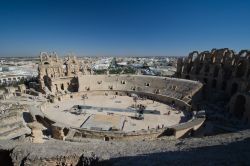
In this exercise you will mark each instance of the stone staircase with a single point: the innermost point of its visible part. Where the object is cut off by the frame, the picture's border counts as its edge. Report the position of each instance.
(12, 124)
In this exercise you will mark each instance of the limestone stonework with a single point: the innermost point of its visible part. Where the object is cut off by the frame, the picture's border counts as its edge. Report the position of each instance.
(221, 71)
(58, 75)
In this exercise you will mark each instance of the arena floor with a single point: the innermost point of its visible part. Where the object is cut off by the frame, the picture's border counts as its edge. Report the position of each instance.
(115, 116)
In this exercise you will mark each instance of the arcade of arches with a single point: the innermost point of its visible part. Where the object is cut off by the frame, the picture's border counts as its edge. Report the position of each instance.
(221, 71)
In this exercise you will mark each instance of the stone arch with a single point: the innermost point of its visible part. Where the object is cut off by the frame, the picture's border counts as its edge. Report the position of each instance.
(46, 63)
(234, 88)
(216, 71)
(207, 68)
(239, 106)
(189, 67)
(227, 74)
(248, 72)
(56, 87)
(241, 68)
(243, 53)
(198, 69)
(195, 55)
(213, 59)
(205, 80)
(62, 87)
(224, 85)
(214, 83)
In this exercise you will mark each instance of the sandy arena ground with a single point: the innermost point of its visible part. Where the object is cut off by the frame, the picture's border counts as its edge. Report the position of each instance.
(125, 123)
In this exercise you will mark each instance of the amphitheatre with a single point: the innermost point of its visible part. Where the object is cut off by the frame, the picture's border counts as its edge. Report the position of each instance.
(72, 116)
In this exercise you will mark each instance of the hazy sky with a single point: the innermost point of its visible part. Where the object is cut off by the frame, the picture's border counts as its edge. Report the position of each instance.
(122, 27)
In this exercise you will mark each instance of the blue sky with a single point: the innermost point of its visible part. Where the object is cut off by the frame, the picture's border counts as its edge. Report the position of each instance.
(122, 27)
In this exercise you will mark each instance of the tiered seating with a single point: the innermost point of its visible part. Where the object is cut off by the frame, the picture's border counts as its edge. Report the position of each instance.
(172, 87)
(11, 119)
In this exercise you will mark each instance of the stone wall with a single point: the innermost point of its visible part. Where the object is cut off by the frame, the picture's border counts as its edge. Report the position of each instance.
(157, 97)
(239, 106)
(12, 124)
(223, 72)
(76, 134)
(172, 87)
(51, 67)
(67, 83)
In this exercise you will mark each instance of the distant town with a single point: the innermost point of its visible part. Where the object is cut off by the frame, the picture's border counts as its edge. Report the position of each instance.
(15, 70)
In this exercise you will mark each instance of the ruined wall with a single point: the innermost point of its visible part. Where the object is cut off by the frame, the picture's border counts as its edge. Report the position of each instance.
(59, 76)
(221, 69)
(223, 73)
(76, 134)
(175, 88)
(166, 90)
(51, 69)
(239, 106)
(11, 118)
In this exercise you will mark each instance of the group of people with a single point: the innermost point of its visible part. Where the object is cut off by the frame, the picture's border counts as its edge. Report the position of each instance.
(158, 126)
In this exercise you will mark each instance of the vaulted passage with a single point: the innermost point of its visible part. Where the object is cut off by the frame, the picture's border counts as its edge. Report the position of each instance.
(5, 158)
(216, 71)
(234, 88)
(239, 106)
(62, 87)
(224, 85)
(214, 84)
(187, 77)
(241, 68)
(207, 69)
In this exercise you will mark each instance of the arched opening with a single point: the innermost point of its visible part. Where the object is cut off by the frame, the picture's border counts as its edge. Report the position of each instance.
(216, 71)
(106, 138)
(240, 69)
(214, 83)
(73, 85)
(46, 63)
(194, 56)
(62, 87)
(5, 158)
(189, 68)
(239, 106)
(56, 87)
(205, 80)
(248, 73)
(234, 88)
(224, 85)
(227, 74)
(206, 69)
(187, 77)
(198, 69)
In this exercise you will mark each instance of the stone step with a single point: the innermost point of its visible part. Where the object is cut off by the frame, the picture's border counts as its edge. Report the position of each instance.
(5, 131)
(9, 114)
(14, 133)
(10, 120)
(10, 125)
